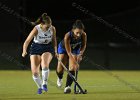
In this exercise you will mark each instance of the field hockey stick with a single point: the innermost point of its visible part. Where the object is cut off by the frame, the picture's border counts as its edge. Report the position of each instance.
(76, 77)
(73, 78)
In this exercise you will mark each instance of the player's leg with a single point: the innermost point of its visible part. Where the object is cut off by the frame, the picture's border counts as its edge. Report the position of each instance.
(73, 66)
(60, 69)
(45, 62)
(35, 68)
(64, 58)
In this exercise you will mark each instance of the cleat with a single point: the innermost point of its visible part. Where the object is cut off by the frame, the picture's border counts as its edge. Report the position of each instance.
(39, 91)
(59, 82)
(44, 87)
(67, 90)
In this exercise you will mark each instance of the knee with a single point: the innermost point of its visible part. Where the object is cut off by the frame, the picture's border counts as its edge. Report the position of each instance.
(45, 64)
(74, 68)
(35, 73)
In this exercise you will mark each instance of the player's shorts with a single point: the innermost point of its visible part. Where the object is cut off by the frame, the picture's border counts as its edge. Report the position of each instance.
(62, 50)
(39, 49)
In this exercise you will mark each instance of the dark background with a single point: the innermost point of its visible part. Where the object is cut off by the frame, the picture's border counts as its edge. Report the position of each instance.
(105, 46)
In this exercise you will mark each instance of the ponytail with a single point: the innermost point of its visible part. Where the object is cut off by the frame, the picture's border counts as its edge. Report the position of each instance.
(44, 18)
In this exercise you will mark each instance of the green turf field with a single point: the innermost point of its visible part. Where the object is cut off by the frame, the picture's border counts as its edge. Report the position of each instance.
(18, 85)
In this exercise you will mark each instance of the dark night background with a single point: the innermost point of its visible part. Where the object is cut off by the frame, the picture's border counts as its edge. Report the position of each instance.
(105, 46)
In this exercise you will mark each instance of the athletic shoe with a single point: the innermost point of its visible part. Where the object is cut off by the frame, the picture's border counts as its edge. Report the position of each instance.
(59, 82)
(44, 87)
(67, 90)
(39, 91)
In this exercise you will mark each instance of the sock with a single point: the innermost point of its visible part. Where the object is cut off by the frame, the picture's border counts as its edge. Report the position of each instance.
(45, 75)
(37, 80)
(60, 75)
(69, 79)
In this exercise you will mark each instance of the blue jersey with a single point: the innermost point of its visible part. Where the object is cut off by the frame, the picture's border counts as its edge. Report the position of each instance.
(74, 43)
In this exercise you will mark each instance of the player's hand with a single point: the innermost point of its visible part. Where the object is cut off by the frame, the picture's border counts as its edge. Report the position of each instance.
(56, 55)
(24, 53)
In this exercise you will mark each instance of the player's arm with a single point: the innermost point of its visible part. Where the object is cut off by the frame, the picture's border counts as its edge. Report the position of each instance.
(67, 44)
(54, 40)
(28, 40)
(83, 47)
(68, 47)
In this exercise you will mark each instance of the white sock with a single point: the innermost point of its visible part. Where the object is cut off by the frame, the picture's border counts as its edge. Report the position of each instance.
(45, 75)
(37, 80)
